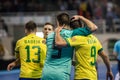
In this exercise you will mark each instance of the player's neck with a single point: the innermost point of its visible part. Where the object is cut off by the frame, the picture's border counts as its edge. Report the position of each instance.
(31, 33)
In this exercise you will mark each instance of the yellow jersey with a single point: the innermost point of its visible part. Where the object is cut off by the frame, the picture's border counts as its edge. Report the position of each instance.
(32, 53)
(86, 50)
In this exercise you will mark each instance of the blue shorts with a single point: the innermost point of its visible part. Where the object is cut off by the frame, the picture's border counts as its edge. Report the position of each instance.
(55, 73)
(119, 66)
(29, 79)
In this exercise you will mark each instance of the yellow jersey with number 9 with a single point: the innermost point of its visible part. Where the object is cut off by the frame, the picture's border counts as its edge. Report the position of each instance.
(86, 50)
(32, 52)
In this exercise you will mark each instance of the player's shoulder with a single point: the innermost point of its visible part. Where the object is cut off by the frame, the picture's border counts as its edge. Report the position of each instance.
(39, 37)
(21, 39)
(65, 33)
(78, 37)
(118, 42)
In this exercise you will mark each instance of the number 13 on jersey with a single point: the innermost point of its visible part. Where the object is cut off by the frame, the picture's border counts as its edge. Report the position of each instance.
(37, 53)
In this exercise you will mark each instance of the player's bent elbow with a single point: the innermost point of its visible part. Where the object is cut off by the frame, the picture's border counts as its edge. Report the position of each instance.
(60, 43)
(94, 28)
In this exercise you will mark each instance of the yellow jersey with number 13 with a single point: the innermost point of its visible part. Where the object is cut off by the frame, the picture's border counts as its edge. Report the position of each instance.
(32, 52)
(86, 50)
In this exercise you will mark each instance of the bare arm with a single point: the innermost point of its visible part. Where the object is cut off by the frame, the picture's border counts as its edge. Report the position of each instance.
(13, 64)
(59, 41)
(107, 63)
(89, 23)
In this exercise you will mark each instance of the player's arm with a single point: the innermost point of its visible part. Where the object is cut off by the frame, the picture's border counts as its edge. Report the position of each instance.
(73, 41)
(59, 41)
(89, 23)
(43, 53)
(17, 61)
(13, 64)
(115, 50)
(105, 58)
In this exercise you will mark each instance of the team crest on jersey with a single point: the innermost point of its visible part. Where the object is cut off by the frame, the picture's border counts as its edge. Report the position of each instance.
(73, 39)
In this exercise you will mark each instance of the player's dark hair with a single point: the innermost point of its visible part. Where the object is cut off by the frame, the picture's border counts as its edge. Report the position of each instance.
(75, 23)
(30, 26)
(47, 23)
(63, 19)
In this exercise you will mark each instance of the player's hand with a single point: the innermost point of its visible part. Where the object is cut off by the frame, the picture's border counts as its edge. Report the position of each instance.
(76, 17)
(58, 29)
(10, 66)
(109, 76)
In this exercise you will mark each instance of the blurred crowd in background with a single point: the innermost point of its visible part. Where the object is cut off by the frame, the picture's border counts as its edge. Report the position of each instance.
(89, 8)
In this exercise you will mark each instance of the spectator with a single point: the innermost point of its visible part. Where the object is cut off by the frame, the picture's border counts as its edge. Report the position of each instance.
(116, 52)
(109, 21)
(2, 52)
(3, 28)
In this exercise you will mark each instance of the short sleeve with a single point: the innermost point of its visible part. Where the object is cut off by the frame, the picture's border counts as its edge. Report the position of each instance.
(82, 31)
(43, 53)
(116, 47)
(75, 41)
(17, 49)
(99, 46)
